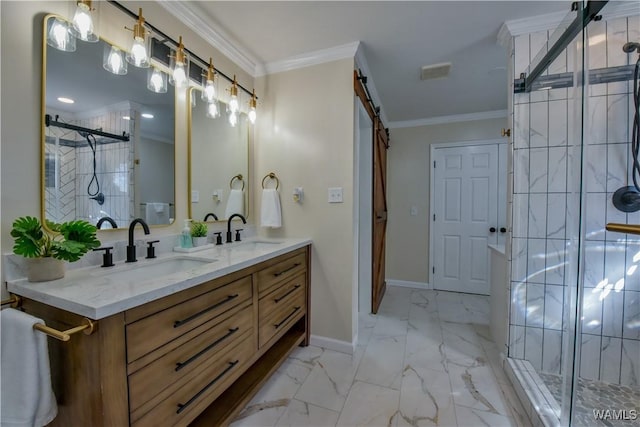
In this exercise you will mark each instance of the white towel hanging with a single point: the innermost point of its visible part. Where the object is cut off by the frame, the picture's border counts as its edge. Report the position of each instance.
(271, 213)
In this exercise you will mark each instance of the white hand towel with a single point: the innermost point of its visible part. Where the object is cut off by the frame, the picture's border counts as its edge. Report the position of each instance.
(271, 214)
(235, 203)
(157, 213)
(27, 396)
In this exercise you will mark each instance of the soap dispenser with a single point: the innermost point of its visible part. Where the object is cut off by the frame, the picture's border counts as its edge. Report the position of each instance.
(185, 237)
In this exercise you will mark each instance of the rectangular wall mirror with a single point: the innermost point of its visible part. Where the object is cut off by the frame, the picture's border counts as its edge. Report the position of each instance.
(108, 141)
(218, 161)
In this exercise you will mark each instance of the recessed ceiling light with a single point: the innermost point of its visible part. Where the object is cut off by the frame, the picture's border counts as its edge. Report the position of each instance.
(66, 100)
(147, 115)
(126, 118)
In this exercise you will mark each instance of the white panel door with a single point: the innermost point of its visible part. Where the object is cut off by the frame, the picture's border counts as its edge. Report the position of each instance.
(465, 211)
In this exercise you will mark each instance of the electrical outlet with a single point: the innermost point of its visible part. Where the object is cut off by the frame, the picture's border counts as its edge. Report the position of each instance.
(195, 196)
(335, 195)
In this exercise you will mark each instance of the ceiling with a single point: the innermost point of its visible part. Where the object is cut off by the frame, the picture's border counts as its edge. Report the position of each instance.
(397, 39)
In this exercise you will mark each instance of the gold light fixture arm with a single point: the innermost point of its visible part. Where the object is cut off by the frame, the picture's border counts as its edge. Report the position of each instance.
(623, 228)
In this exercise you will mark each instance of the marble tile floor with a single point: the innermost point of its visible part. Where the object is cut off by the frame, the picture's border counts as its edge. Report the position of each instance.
(426, 359)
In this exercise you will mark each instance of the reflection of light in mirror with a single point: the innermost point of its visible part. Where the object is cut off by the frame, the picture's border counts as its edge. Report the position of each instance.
(65, 100)
(212, 110)
(157, 82)
(233, 119)
(83, 23)
(597, 39)
(179, 75)
(619, 285)
(126, 118)
(601, 285)
(607, 291)
(147, 115)
(593, 323)
(636, 257)
(632, 270)
(139, 52)
(115, 62)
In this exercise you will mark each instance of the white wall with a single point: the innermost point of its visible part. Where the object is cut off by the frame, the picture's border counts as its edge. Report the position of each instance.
(305, 136)
(408, 185)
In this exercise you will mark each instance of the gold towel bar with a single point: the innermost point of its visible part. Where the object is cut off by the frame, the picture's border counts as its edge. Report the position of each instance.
(624, 228)
(272, 176)
(239, 178)
(88, 328)
(14, 300)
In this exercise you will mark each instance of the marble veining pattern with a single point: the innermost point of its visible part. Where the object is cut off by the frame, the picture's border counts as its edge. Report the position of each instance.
(426, 359)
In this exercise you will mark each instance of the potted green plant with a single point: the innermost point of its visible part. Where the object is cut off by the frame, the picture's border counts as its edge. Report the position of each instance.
(199, 233)
(47, 249)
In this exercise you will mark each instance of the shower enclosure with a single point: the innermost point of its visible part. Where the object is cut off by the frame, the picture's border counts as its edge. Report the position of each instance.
(574, 324)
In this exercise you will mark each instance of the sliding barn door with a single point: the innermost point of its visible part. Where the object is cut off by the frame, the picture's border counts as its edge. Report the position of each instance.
(380, 146)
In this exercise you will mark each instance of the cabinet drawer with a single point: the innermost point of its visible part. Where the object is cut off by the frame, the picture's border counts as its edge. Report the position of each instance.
(153, 331)
(197, 390)
(283, 270)
(282, 316)
(147, 382)
(281, 296)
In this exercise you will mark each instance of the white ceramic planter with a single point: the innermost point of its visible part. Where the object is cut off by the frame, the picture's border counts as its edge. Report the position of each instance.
(45, 269)
(199, 241)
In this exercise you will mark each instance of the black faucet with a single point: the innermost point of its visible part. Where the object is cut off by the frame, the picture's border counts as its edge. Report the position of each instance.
(106, 219)
(210, 214)
(229, 234)
(131, 248)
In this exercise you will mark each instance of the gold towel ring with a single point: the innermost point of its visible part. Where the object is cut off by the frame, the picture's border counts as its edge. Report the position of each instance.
(239, 178)
(272, 176)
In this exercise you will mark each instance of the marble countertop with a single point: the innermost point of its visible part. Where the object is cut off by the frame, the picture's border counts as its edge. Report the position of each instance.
(95, 293)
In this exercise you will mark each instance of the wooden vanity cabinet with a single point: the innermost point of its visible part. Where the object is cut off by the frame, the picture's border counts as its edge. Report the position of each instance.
(195, 357)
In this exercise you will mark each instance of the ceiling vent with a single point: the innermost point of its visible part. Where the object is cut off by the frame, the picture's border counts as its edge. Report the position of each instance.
(435, 71)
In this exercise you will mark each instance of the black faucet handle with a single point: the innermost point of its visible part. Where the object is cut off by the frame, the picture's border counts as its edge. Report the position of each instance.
(238, 234)
(151, 250)
(218, 237)
(107, 257)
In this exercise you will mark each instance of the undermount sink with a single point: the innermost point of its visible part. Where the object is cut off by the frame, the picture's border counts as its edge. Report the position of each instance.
(144, 269)
(255, 245)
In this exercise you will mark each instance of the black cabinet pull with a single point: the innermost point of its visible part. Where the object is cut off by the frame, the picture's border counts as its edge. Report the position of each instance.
(288, 269)
(277, 325)
(206, 310)
(492, 230)
(181, 365)
(277, 300)
(183, 406)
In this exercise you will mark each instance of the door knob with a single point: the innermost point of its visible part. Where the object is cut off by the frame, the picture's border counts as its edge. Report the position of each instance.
(492, 229)
(503, 230)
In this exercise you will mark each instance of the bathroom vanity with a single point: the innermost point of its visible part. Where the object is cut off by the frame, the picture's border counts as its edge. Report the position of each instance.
(187, 347)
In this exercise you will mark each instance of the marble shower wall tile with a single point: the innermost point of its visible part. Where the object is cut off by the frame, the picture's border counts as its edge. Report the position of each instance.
(630, 367)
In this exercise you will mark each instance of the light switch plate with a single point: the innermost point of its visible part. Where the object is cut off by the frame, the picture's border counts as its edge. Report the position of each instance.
(335, 195)
(195, 196)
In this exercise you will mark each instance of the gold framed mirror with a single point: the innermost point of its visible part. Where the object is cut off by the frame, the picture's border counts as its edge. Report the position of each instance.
(108, 142)
(218, 161)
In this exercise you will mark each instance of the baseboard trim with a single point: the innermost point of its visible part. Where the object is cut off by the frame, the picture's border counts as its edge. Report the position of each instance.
(333, 344)
(408, 284)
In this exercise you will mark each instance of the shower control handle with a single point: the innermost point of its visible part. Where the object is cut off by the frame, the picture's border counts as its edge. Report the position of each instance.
(503, 230)
(492, 230)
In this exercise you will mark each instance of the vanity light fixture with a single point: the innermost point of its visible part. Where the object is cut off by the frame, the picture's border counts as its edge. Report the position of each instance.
(59, 37)
(114, 61)
(139, 54)
(65, 100)
(233, 119)
(209, 82)
(179, 66)
(234, 106)
(82, 24)
(156, 81)
(252, 107)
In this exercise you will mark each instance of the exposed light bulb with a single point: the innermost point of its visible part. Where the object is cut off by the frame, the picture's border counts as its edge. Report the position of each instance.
(212, 110)
(234, 106)
(209, 91)
(179, 75)
(139, 55)
(209, 82)
(115, 62)
(252, 115)
(83, 22)
(233, 119)
(157, 81)
(59, 36)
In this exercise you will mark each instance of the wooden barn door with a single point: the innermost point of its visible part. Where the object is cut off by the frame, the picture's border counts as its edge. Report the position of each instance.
(380, 145)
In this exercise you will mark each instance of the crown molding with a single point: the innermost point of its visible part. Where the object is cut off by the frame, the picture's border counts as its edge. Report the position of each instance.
(551, 21)
(456, 118)
(363, 65)
(310, 58)
(191, 16)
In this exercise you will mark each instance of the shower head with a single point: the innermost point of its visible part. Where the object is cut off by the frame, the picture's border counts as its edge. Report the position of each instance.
(631, 46)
